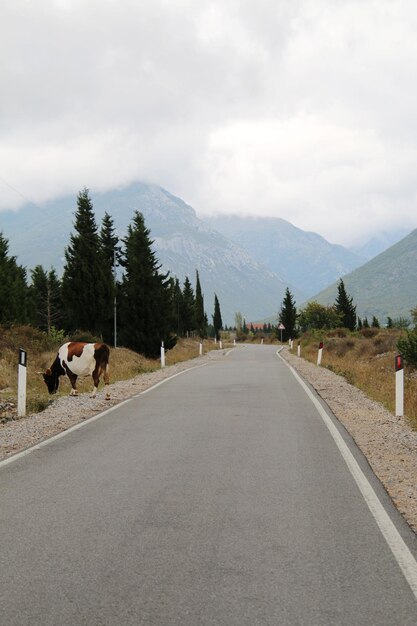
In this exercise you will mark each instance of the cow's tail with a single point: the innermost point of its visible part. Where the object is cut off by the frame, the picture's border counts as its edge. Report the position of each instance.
(107, 367)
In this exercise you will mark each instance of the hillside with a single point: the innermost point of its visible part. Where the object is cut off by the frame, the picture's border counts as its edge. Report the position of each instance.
(384, 286)
(183, 243)
(301, 258)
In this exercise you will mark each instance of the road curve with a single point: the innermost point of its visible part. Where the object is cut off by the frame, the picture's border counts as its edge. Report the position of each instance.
(218, 498)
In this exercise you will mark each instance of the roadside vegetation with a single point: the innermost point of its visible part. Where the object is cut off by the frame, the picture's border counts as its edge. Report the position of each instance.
(365, 359)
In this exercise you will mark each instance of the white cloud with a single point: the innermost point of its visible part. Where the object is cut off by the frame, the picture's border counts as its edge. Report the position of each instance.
(299, 109)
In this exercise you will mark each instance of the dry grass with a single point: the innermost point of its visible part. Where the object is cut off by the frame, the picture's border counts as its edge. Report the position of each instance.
(366, 360)
(124, 364)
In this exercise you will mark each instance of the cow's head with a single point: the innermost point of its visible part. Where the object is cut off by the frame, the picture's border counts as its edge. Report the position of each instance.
(51, 379)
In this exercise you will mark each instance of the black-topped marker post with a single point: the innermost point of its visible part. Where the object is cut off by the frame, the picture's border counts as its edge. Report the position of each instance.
(399, 386)
(21, 383)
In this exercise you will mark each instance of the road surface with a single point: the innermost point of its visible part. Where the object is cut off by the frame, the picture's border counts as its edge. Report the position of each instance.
(217, 498)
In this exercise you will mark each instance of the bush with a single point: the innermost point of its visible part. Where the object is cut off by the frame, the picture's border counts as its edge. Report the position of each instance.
(369, 332)
(407, 346)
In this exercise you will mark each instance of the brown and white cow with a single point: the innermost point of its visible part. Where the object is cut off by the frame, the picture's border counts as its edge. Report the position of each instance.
(77, 358)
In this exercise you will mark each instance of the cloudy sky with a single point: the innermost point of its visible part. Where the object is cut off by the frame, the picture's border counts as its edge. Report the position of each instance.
(300, 109)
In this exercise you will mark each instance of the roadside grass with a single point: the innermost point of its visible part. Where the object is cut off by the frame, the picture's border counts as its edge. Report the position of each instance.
(365, 359)
(42, 350)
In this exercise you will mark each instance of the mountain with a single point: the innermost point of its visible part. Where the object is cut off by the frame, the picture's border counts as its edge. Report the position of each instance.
(385, 286)
(183, 243)
(379, 242)
(301, 258)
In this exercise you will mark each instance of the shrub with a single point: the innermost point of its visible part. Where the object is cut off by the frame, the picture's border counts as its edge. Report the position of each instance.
(369, 332)
(407, 346)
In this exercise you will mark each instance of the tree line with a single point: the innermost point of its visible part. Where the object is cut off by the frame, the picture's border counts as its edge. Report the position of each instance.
(151, 304)
(342, 313)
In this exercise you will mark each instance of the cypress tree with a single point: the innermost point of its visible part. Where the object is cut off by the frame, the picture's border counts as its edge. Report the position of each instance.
(344, 306)
(177, 306)
(145, 302)
(83, 289)
(13, 287)
(217, 317)
(200, 316)
(110, 254)
(288, 315)
(45, 299)
(188, 307)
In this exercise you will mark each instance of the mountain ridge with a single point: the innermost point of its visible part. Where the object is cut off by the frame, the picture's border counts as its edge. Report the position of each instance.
(384, 286)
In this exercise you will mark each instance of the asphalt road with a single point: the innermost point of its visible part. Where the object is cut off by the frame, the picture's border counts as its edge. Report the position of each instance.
(218, 498)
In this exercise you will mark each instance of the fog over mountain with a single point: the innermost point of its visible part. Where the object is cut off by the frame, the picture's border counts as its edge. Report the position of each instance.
(247, 262)
(183, 244)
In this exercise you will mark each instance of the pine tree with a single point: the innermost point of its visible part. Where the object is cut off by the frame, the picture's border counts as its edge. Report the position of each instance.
(200, 316)
(110, 255)
(13, 287)
(344, 306)
(145, 295)
(288, 315)
(83, 288)
(188, 307)
(375, 322)
(217, 317)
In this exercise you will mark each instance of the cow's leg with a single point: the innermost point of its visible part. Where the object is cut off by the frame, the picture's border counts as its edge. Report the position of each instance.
(96, 379)
(107, 380)
(73, 380)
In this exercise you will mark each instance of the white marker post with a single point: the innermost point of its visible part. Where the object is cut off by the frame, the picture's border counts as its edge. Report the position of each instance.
(299, 349)
(399, 386)
(201, 348)
(21, 383)
(162, 355)
(220, 344)
(291, 344)
(262, 341)
(320, 353)
(234, 342)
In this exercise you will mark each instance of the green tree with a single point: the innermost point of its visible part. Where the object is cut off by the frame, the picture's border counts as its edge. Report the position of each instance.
(217, 317)
(288, 316)
(110, 256)
(145, 295)
(407, 346)
(13, 287)
(317, 316)
(188, 307)
(45, 299)
(375, 322)
(200, 316)
(83, 282)
(345, 307)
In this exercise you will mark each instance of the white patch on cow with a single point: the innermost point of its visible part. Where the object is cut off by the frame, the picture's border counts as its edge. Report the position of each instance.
(80, 365)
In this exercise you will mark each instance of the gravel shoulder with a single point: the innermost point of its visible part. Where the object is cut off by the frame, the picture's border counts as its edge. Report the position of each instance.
(388, 442)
